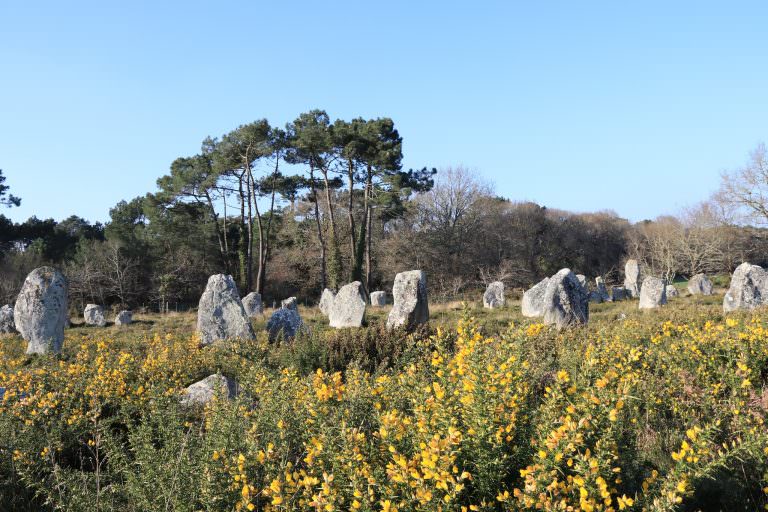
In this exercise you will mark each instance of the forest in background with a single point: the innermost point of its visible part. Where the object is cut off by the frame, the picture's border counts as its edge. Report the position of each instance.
(319, 203)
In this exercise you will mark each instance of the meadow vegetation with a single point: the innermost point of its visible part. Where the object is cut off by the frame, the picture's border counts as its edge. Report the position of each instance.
(482, 410)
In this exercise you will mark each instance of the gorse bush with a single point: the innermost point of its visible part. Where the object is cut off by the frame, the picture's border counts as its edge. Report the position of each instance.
(640, 414)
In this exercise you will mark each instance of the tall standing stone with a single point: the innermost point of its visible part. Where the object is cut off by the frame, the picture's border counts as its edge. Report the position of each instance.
(748, 290)
(533, 299)
(602, 290)
(326, 301)
(252, 304)
(378, 299)
(94, 315)
(220, 314)
(411, 303)
(494, 295)
(348, 309)
(7, 326)
(40, 312)
(700, 285)
(653, 293)
(566, 301)
(632, 278)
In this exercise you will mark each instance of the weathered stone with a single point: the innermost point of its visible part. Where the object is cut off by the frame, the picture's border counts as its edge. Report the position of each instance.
(620, 293)
(411, 302)
(94, 315)
(748, 290)
(653, 293)
(124, 317)
(285, 324)
(602, 290)
(632, 278)
(494, 295)
(348, 309)
(595, 297)
(533, 299)
(326, 301)
(583, 281)
(220, 314)
(252, 305)
(700, 285)
(566, 302)
(290, 303)
(202, 392)
(6, 320)
(378, 299)
(672, 291)
(40, 313)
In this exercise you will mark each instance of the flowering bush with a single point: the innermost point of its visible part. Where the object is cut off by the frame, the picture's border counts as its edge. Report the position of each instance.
(640, 414)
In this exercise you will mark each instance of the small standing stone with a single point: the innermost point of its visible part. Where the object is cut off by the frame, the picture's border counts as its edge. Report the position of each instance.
(411, 303)
(220, 314)
(284, 323)
(252, 304)
(533, 299)
(700, 285)
(672, 291)
(602, 290)
(326, 301)
(40, 313)
(748, 290)
(595, 297)
(653, 293)
(348, 309)
(124, 317)
(202, 392)
(632, 278)
(583, 281)
(494, 295)
(6, 320)
(619, 293)
(290, 303)
(378, 299)
(94, 315)
(566, 302)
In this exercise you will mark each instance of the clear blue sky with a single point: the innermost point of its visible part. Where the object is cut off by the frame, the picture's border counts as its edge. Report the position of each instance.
(576, 105)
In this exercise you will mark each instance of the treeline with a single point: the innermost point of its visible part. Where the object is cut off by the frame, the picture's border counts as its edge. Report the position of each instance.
(289, 211)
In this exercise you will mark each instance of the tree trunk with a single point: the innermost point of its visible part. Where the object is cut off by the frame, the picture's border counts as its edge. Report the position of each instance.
(241, 249)
(334, 264)
(323, 272)
(368, 228)
(355, 275)
(222, 240)
(265, 254)
(249, 252)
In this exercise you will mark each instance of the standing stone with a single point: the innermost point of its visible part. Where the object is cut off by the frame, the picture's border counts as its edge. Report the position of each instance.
(620, 293)
(583, 281)
(348, 309)
(94, 315)
(290, 303)
(566, 302)
(602, 290)
(220, 314)
(533, 299)
(326, 301)
(494, 295)
(202, 392)
(411, 304)
(632, 278)
(672, 291)
(378, 299)
(595, 297)
(284, 323)
(700, 285)
(748, 290)
(6, 320)
(252, 304)
(40, 313)
(653, 293)
(124, 317)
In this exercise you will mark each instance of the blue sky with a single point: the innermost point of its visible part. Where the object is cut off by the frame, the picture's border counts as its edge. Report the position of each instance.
(634, 107)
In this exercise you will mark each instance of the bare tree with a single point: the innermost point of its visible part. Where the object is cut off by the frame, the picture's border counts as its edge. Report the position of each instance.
(745, 190)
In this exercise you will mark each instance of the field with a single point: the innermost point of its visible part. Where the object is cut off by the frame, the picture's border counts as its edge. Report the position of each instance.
(482, 410)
